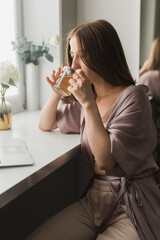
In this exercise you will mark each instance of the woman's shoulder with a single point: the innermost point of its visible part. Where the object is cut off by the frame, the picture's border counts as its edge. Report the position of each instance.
(133, 104)
(151, 74)
(135, 92)
(133, 98)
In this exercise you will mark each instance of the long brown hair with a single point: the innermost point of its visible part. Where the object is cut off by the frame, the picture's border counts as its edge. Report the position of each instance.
(154, 57)
(101, 51)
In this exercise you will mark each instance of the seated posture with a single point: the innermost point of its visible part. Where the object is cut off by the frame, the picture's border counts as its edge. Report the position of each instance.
(150, 76)
(118, 138)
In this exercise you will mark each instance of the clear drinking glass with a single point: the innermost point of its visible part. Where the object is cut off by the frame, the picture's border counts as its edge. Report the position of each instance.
(62, 83)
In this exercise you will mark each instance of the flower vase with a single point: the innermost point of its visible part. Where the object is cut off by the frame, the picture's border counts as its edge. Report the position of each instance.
(32, 87)
(5, 114)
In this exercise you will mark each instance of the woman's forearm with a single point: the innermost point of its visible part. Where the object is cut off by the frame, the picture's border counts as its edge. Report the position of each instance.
(98, 138)
(48, 114)
(144, 67)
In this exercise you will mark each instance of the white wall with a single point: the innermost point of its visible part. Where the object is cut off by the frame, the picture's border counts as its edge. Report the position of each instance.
(41, 21)
(124, 15)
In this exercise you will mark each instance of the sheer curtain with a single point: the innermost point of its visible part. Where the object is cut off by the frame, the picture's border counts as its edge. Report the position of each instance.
(9, 18)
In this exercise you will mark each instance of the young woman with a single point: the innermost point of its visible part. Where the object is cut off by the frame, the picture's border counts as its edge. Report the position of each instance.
(153, 61)
(150, 71)
(150, 76)
(118, 138)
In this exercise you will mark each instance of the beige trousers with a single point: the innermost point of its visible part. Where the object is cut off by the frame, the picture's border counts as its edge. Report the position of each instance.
(80, 220)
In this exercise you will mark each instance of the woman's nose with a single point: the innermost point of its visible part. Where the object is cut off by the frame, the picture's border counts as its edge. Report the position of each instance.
(75, 63)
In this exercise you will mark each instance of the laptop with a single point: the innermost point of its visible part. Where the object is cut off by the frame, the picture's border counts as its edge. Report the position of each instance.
(14, 152)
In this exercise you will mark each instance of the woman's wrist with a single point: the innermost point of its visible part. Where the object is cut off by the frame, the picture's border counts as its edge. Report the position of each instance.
(56, 96)
(89, 105)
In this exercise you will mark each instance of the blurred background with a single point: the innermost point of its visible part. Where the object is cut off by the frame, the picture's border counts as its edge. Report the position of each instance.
(136, 21)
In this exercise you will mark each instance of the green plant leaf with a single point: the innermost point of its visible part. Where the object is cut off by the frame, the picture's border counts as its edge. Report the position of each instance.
(11, 83)
(49, 57)
(36, 62)
(5, 86)
(27, 60)
(29, 52)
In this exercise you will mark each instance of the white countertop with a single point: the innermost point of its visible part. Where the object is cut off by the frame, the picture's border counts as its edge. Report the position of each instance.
(43, 146)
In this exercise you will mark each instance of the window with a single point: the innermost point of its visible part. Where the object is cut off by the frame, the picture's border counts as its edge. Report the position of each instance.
(8, 30)
(7, 33)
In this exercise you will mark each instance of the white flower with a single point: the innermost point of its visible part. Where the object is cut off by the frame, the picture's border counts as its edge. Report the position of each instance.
(54, 40)
(8, 72)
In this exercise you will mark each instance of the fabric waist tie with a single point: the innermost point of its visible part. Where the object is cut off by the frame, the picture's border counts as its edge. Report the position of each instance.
(117, 199)
(123, 194)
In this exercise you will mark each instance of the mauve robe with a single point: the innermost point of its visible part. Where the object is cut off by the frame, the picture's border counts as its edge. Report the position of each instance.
(133, 140)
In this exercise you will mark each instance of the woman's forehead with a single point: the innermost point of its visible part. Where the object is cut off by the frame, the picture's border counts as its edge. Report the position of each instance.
(73, 44)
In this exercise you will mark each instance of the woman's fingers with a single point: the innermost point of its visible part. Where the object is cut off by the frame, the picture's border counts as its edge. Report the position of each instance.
(81, 74)
(49, 81)
(53, 76)
(76, 84)
(63, 65)
(72, 81)
(58, 73)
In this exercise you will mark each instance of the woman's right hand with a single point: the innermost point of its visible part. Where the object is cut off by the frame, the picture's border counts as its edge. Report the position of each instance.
(47, 119)
(54, 76)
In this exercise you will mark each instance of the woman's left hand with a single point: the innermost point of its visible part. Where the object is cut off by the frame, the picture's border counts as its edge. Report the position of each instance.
(81, 88)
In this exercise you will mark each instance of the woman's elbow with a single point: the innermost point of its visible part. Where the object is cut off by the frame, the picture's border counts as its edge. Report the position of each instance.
(106, 165)
(41, 127)
(47, 127)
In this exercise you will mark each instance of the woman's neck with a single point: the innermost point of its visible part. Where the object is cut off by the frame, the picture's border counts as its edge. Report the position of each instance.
(106, 96)
(103, 90)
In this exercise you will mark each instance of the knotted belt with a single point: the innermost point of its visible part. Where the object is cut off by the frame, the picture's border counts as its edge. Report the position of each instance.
(127, 194)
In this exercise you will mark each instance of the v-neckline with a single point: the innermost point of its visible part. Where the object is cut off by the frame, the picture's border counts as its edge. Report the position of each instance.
(108, 112)
(110, 109)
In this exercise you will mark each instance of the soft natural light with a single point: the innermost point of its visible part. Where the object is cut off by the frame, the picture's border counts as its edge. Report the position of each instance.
(7, 33)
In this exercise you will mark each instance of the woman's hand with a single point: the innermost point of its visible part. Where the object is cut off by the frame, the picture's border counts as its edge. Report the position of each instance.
(48, 115)
(54, 76)
(81, 88)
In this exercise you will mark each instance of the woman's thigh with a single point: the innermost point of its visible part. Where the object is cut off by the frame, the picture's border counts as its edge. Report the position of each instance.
(121, 228)
(73, 222)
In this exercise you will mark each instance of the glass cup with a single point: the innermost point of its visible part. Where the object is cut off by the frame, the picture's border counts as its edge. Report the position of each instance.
(62, 82)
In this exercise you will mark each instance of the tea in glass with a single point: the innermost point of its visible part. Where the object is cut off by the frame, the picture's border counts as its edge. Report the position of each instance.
(63, 81)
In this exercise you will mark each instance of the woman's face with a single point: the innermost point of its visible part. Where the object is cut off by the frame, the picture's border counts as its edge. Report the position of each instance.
(77, 62)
